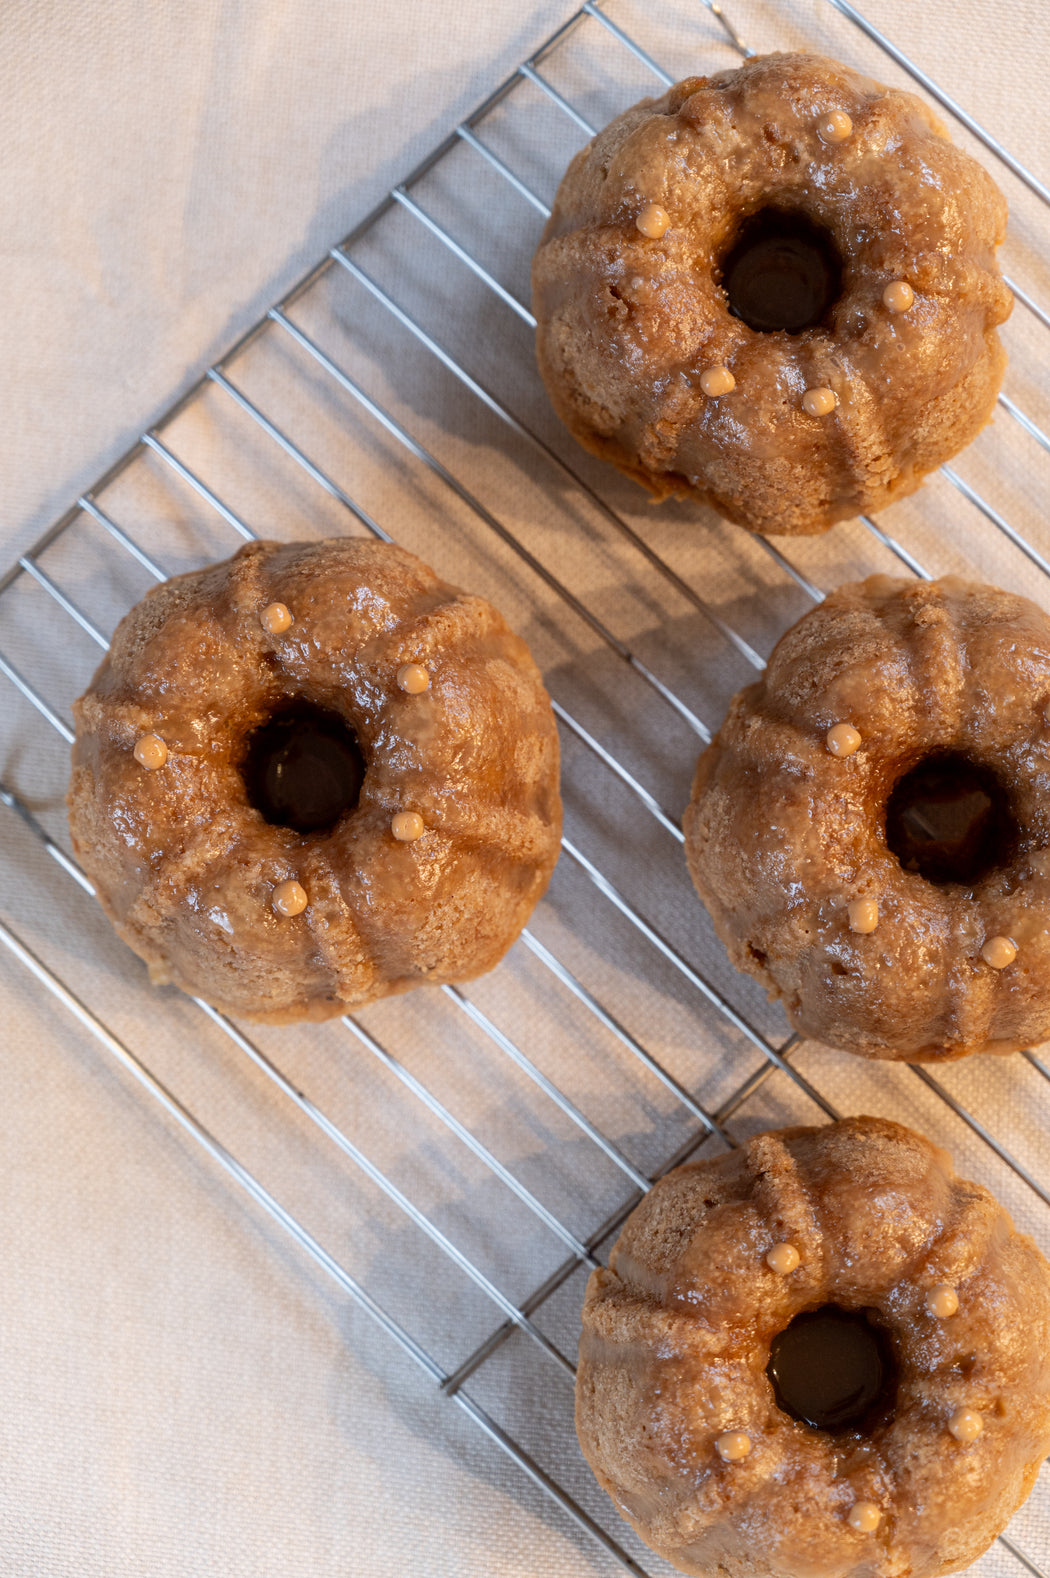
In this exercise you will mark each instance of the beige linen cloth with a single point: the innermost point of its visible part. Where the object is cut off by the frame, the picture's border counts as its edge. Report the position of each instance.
(184, 1392)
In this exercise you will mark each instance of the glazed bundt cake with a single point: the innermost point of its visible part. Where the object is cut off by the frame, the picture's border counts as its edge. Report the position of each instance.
(870, 828)
(773, 290)
(312, 776)
(819, 1356)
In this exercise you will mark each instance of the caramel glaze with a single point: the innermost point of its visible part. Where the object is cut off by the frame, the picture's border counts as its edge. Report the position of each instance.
(678, 1333)
(782, 837)
(626, 324)
(185, 865)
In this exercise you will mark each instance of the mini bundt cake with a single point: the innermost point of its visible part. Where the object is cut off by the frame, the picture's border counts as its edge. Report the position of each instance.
(820, 1356)
(870, 828)
(774, 290)
(314, 775)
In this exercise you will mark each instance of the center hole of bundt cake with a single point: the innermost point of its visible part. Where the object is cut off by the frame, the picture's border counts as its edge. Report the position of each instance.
(782, 272)
(833, 1369)
(949, 820)
(303, 768)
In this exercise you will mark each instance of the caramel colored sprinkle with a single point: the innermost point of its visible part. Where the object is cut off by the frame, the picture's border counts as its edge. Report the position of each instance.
(843, 739)
(732, 1446)
(835, 127)
(898, 296)
(783, 1259)
(413, 677)
(999, 952)
(715, 381)
(942, 1301)
(151, 751)
(965, 1425)
(653, 221)
(863, 915)
(819, 402)
(407, 826)
(289, 898)
(865, 1517)
(276, 618)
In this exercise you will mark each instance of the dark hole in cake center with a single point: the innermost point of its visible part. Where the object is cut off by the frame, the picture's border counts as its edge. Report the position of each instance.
(949, 820)
(303, 768)
(834, 1370)
(783, 272)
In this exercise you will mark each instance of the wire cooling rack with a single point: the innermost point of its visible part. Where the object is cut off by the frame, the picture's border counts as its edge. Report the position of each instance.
(496, 1136)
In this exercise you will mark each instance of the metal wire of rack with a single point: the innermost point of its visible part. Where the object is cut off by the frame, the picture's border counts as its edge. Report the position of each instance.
(274, 413)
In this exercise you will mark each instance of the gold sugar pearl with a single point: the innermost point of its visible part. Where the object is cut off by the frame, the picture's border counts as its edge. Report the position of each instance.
(999, 952)
(289, 898)
(863, 915)
(965, 1425)
(835, 127)
(413, 678)
(276, 618)
(898, 296)
(407, 826)
(783, 1259)
(819, 402)
(653, 221)
(865, 1517)
(842, 739)
(715, 381)
(732, 1446)
(151, 752)
(942, 1301)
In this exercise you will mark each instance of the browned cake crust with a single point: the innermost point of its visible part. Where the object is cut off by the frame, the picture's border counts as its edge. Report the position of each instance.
(629, 322)
(676, 1339)
(187, 869)
(783, 836)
